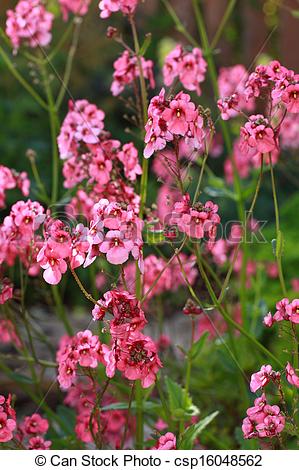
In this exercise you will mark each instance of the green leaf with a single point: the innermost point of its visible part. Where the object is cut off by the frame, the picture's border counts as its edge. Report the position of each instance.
(295, 13)
(145, 45)
(180, 403)
(197, 346)
(147, 406)
(193, 431)
(21, 378)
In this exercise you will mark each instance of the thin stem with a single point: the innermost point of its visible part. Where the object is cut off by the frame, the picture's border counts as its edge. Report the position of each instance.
(69, 63)
(22, 80)
(82, 288)
(279, 241)
(53, 127)
(229, 9)
(60, 310)
(178, 24)
(225, 314)
(128, 417)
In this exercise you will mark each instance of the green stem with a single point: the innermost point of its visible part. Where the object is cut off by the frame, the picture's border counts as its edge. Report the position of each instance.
(279, 241)
(226, 315)
(229, 9)
(53, 118)
(22, 80)
(60, 310)
(69, 64)
(178, 24)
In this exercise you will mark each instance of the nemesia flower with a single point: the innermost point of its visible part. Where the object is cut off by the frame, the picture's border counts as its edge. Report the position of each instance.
(29, 24)
(7, 419)
(78, 7)
(291, 375)
(173, 120)
(231, 84)
(108, 7)
(263, 420)
(166, 442)
(129, 158)
(189, 67)
(83, 349)
(263, 377)
(6, 290)
(136, 358)
(10, 179)
(35, 424)
(126, 70)
(8, 333)
(257, 135)
(7, 426)
(38, 443)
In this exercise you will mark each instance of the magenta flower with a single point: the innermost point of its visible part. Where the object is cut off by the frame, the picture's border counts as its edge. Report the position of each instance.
(7, 426)
(263, 377)
(53, 265)
(179, 114)
(116, 247)
(166, 442)
(291, 375)
(38, 443)
(35, 424)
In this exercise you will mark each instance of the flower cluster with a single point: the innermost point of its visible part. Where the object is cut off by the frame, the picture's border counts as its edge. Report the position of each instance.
(84, 350)
(263, 377)
(91, 156)
(8, 333)
(132, 353)
(263, 420)
(231, 84)
(107, 7)
(30, 24)
(78, 7)
(126, 70)
(31, 432)
(110, 424)
(10, 179)
(189, 67)
(196, 220)
(170, 120)
(285, 310)
(258, 137)
(7, 419)
(18, 235)
(114, 230)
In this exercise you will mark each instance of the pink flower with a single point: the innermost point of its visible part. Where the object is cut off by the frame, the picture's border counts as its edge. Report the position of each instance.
(126, 70)
(268, 320)
(8, 333)
(39, 443)
(281, 310)
(78, 7)
(189, 67)
(30, 24)
(263, 377)
(53, 264)
(137, 358)
(292, 310)
(290, 97)
(35, 424)
(129, 158)
(7, 426)
(108, 7)
(116, 247)
(291, 375)
(166, 442)
(263, 420)
(6, 290)
(180, 112)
